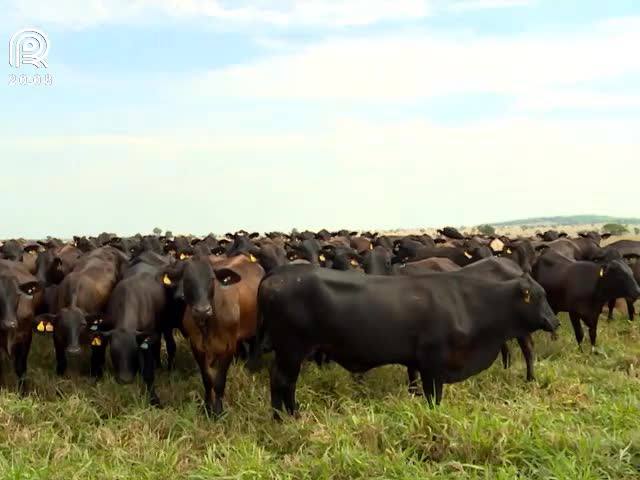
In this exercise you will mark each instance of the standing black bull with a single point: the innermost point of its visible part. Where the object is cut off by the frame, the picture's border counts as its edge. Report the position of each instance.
(446, 325)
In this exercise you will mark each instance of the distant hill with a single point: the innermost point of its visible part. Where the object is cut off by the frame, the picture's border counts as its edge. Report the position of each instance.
(568, 220)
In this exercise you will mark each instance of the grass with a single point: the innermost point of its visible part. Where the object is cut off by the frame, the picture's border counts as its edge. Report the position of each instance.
(579, 420)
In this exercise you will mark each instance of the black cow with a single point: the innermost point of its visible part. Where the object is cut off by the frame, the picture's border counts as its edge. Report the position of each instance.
(448, 326)
(20, 295)
(583, 288)
(136, 313)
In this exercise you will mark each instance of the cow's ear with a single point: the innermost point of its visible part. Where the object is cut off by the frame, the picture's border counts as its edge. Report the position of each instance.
(439, 240)
(219, 250)
(582, 234)
(223, 242)
(195, 241)
(539, 235)
(30, 288)
(355, 260)
(171, 275)
(44, 323)
(227, 277)
(604, 236)
(254, 235)
(230, 236)
(539, 248)
(563, 235)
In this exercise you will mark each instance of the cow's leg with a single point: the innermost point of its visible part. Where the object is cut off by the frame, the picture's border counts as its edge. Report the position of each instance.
(432, 387)
(612, 304)
(577, 328)
(630, 308)
(61, 358)
(592, 323)
(412, 373)
(97, 361)
(155, 348)
(208, 375)
(148, 375)
(526, 345)
(506, 355)
(170, 342)
(20, 356)
(220, 383)
(284, 374)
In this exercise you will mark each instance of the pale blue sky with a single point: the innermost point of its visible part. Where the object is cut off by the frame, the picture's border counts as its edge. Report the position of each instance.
(202, 116)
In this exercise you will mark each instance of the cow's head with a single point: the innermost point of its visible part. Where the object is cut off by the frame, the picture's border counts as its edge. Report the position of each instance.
(532, 306)
(69, 327)
(10, 294)
(616, 280)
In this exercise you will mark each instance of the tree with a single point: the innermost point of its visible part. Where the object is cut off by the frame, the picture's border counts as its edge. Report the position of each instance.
(615, 229)
(486, 230)
(168, 234)
(637, 230)
(157, 231)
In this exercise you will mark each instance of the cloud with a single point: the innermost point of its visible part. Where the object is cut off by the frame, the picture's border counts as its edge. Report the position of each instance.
(410, 66)
(545, 101)
(283, 13)
(469, 5)
(354, 172)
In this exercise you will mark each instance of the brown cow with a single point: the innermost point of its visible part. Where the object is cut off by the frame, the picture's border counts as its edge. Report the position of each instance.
(81, 299)
(221, 310)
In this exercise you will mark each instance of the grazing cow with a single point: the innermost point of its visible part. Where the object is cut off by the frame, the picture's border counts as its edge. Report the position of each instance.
(582, 288)
(492, 268)
(377, 261)
(462, 256)
(451, 232)
(220, 297)
(635, 267)
(30, 256)
(11, 250)
(551, 235)
(521, 252)
(308, 250)
(626, 248)
(340, 258)
(55, 263)
(20, 296)
(448, 326)
(81, 299)
(136, 313)
(270, 255)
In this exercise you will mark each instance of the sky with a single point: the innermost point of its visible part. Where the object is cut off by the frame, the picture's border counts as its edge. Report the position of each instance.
(213, 115)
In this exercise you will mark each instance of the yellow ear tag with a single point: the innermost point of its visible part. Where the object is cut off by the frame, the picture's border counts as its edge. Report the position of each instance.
(354, 262)
(508, 250)
(182, 256)
(322, 258)
(96, 342)
(527, 296)
(48, 327)
(371, 246)
(166, 280)
(40, 327)
(468, 255)
(252, 258)
(602, 272)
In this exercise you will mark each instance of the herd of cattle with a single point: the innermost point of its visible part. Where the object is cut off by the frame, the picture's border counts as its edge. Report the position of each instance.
(444, 307)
